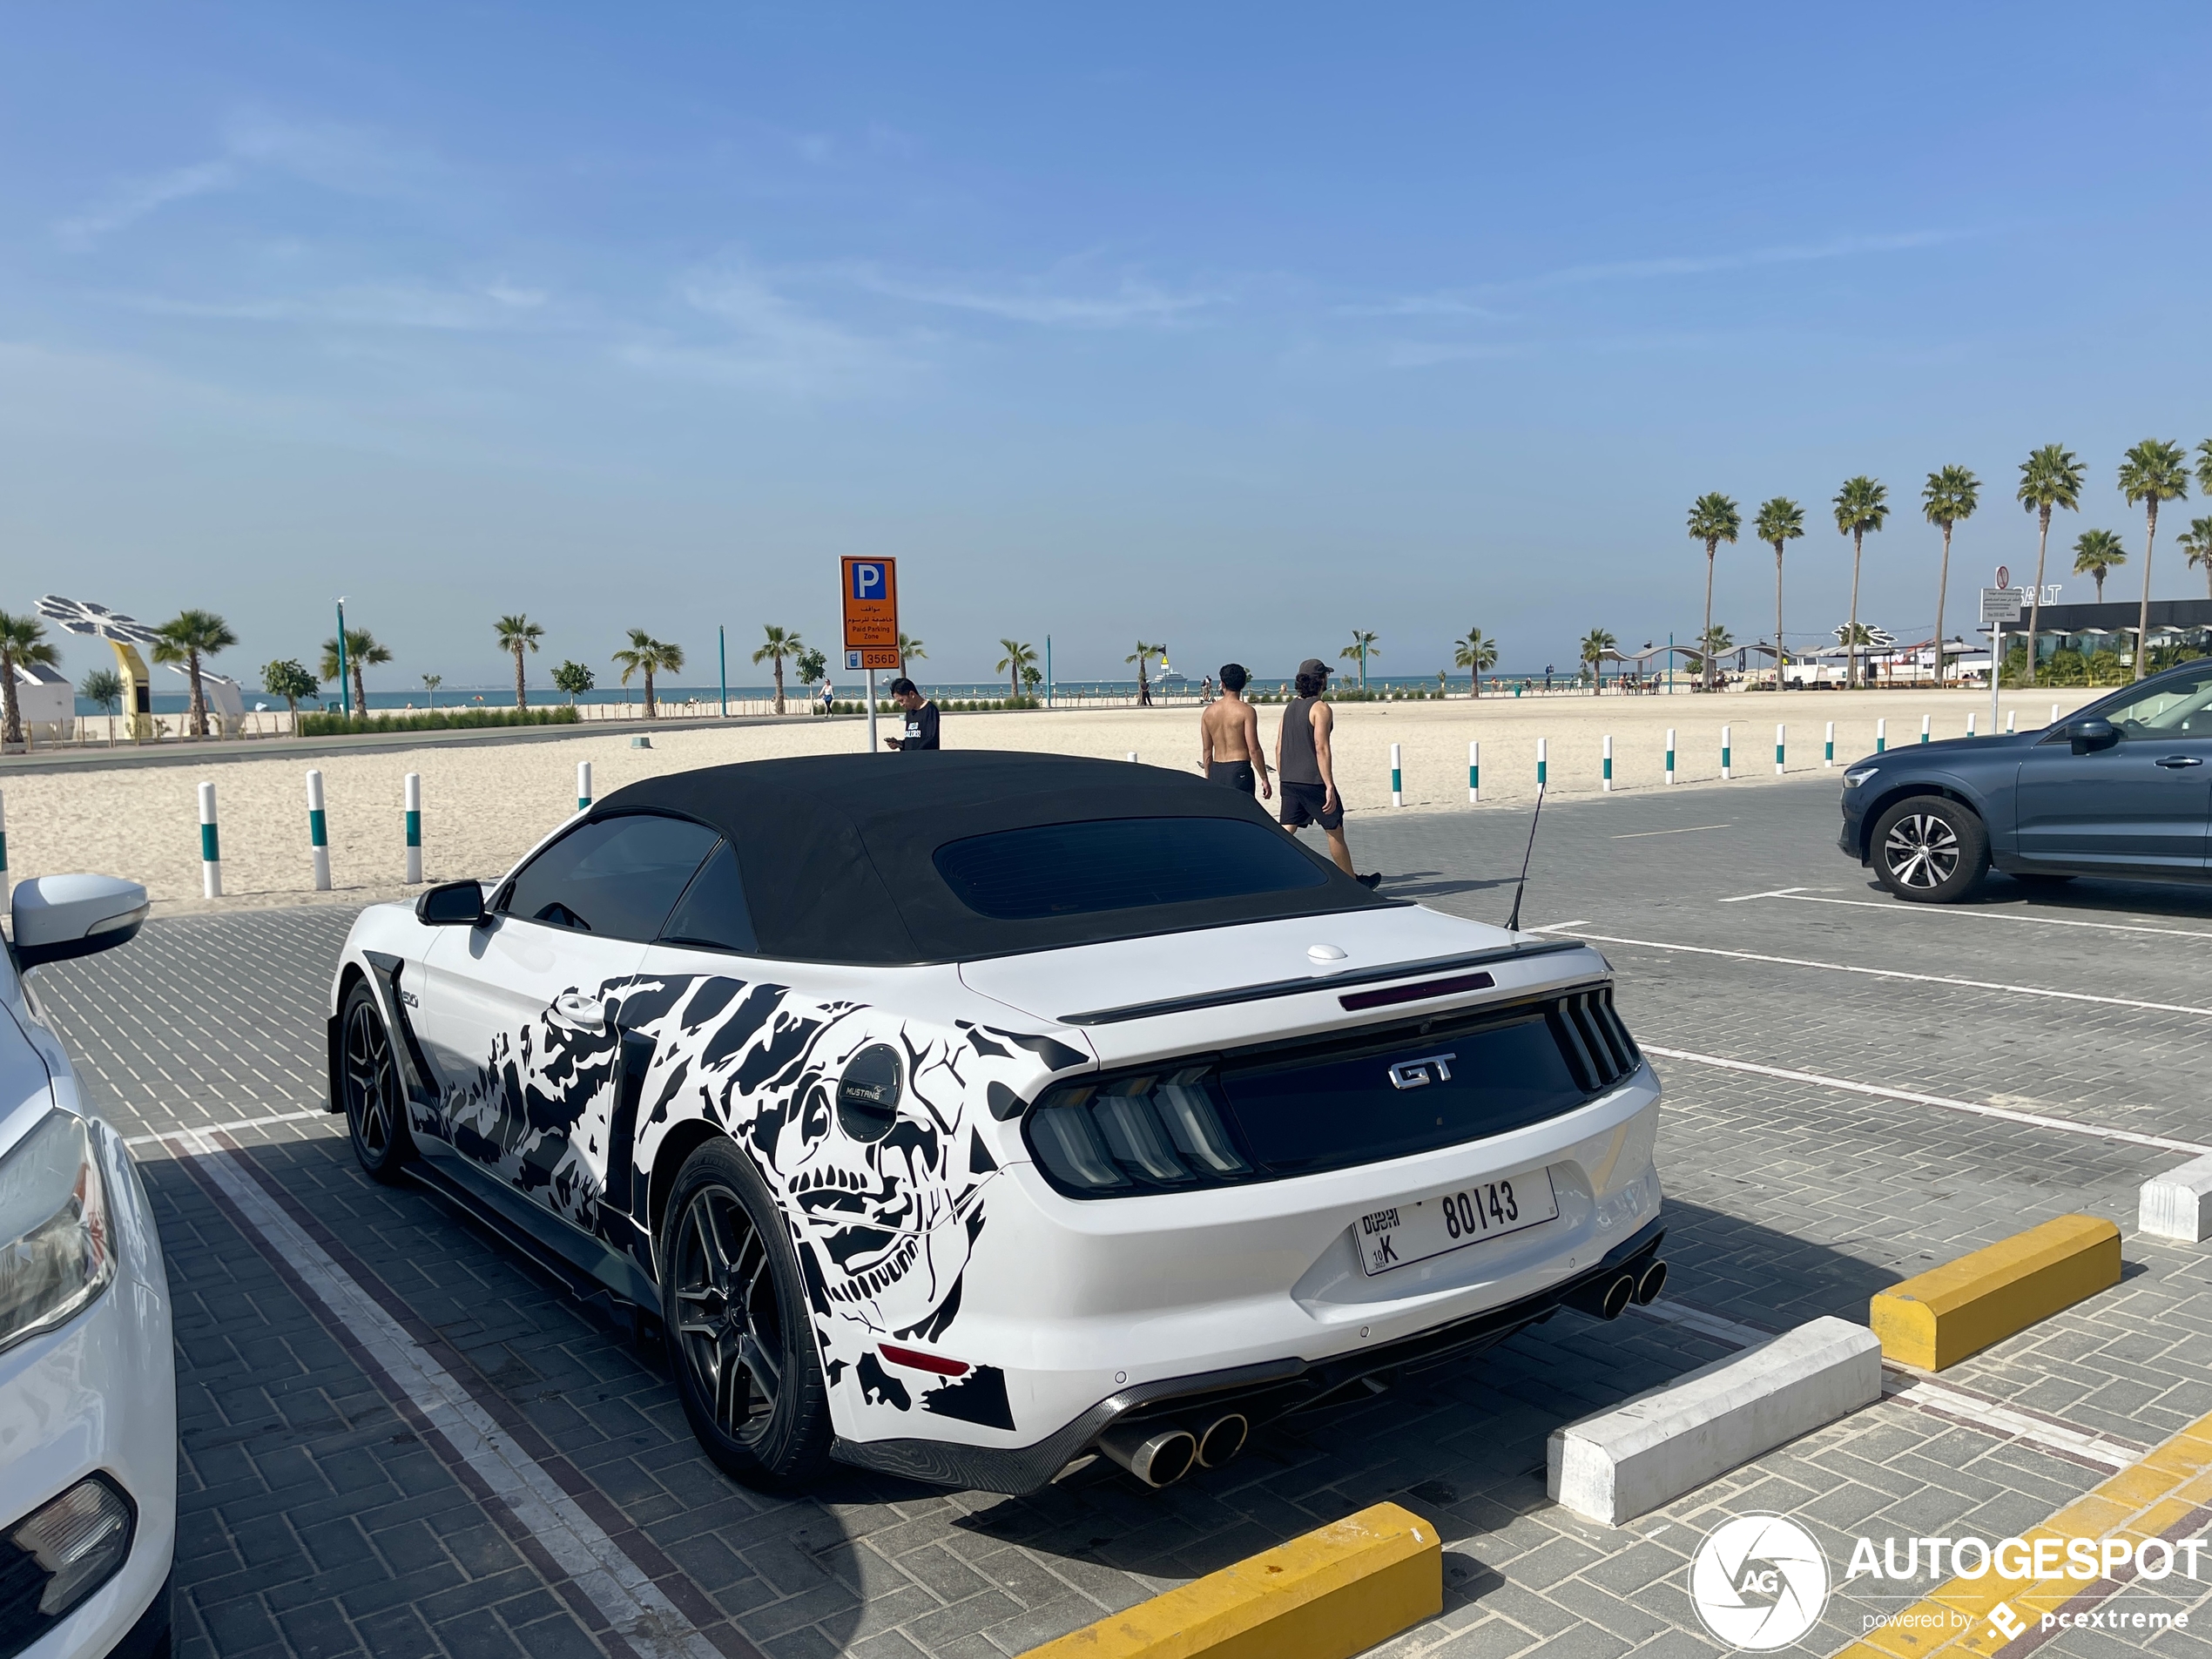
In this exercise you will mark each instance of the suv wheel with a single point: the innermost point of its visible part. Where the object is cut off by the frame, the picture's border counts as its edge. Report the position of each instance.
(368, 1086)
(742, 1344)
(1930, 849)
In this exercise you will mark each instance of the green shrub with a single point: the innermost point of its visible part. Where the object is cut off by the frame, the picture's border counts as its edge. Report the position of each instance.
(337, 725)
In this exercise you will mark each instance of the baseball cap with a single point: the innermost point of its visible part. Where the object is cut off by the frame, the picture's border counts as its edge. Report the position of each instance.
(1314, 666)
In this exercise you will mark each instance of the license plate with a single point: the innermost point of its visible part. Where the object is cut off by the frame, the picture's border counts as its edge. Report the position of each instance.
(1421, 1228)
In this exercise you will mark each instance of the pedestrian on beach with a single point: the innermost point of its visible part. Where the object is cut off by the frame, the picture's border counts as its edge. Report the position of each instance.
(829, 697)
(920, 730)
(1229, 737)
(1307, 768)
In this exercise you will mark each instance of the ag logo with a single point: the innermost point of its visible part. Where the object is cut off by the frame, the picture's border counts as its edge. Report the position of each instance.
(1759, 1583)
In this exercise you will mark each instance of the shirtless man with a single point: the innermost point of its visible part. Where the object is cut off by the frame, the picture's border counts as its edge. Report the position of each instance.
(1307, 768)
(1229, 737)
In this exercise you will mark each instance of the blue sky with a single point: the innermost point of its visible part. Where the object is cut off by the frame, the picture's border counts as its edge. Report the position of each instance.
(1237, 326)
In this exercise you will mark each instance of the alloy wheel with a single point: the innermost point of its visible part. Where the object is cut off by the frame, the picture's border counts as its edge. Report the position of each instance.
(1922, 851)
(372, 1079)
(729, 1326)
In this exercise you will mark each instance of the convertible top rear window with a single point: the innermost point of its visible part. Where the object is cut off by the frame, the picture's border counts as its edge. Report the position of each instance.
(946, 856)
(1118, 863)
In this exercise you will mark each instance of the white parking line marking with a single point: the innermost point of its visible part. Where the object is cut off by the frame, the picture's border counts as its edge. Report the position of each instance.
(1687, 829)
(1927, 1394)
(2034, 1120)
(236, 1123)
(631, 1603)
(1893, 973)
(1901, 909)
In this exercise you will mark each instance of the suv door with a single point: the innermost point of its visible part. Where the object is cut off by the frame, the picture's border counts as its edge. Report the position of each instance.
(2144, 804)
(522, 1015)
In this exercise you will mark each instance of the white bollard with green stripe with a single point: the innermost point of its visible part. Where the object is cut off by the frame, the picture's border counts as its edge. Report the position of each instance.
(1828, 749)
(2011, 715)
(1475, 773)
(1397, 779)
(1671, 754)
(1607, 767)
(211, 845)
(1881, 737)
(2054, 714)
(1924, 726)
(1969, 723)
(414, 798)
(1781, 738)
(583, 785)
(318, 832)
(1543, 751)
(1726, 753)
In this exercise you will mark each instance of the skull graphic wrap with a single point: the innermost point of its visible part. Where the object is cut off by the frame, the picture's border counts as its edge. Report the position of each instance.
(883, 1229)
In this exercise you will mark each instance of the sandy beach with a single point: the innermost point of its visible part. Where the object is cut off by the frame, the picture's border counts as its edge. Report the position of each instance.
(484, 806)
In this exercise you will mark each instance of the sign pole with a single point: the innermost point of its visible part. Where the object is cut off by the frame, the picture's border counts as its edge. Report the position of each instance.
(1996, 667)
(1048, 670)
(722, 660)
(870, 711)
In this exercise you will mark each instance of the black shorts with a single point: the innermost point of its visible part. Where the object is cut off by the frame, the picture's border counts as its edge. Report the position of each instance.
(1302, 804)
(1238, 774)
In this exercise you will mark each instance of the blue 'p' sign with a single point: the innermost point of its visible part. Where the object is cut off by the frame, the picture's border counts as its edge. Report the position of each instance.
(868, 580)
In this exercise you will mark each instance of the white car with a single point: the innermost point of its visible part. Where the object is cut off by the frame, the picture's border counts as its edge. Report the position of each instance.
(961, 1115)
(88, 1378)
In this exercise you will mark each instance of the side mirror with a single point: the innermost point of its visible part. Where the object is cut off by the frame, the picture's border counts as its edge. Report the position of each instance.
(455, 904)
(60, 916)
(2089, 736)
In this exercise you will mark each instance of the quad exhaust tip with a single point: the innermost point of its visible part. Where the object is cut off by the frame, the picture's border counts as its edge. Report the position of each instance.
(1158, 1454)
(1223, 1439)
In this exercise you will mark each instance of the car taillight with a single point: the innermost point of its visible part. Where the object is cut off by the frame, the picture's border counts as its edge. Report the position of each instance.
(1156, 1132)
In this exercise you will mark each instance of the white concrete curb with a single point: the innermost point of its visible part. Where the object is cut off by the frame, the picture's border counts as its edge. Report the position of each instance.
(2174, 1205)
(1650, 1450)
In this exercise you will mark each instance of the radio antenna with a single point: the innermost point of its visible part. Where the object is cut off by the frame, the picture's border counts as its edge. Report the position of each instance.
(1513, 922)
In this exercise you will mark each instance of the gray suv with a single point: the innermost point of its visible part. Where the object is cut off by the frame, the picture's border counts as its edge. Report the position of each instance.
(2120, 788)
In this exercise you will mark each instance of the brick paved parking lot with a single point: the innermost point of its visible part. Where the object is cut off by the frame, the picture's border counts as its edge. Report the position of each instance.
(323, 1515)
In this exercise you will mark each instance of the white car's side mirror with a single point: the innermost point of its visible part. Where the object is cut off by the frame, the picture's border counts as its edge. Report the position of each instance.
(60, 916)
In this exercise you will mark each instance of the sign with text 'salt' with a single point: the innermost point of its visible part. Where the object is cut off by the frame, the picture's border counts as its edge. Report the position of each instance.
(869, 595)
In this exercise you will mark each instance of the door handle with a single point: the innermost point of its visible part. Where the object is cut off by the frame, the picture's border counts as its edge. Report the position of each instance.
(2174, 762)
(573, 1008)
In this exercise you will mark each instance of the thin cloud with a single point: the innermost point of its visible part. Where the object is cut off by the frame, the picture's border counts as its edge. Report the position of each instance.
(133, 201)
(766, 340)
(389, 305)
(1131, 304)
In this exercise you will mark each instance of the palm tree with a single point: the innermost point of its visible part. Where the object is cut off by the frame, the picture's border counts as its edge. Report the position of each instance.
(1141, 655)
(1596, 643)
(289, 679)
(2196, 542)
(910, 650)
(518, 633)
(779, 643)
(186, 637)
(1015, 664)
(1711, 643)
(1951, 495)
(2098, 551)
(1713, 519)
(1861, 505)
(1780, 520)
(1362, 647)
(2050, 478)
(23, 643)
(361, 650)
(1478, 652)
(102, 688)
(647, 656)
(2152, 471)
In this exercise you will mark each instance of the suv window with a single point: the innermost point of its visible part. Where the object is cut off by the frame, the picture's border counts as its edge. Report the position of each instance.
(2180, 708)
(615, 877)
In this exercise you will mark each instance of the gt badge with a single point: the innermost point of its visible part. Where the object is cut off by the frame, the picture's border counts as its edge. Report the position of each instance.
(1419, 1074)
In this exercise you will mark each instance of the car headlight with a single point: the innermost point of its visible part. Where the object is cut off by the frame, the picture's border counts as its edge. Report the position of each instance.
(1156, 1133)
(53, 1214)
(1854, 779)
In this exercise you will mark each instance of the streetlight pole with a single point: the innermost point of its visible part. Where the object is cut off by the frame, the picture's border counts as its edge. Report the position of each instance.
(344, 685)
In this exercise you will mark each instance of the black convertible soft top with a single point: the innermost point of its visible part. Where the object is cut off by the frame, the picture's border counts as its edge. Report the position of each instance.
(839, 851)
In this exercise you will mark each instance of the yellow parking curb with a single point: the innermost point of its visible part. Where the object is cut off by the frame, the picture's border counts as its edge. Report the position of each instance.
(2149, 1501)
(1327, 1595)
(1941, 1316)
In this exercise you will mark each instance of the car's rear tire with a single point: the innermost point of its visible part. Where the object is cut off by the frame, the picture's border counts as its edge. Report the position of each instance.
(1930, 849)
(740, 1338)
(369, 1088)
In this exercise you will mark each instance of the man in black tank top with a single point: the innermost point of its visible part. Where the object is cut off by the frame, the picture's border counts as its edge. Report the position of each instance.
(1306, 768)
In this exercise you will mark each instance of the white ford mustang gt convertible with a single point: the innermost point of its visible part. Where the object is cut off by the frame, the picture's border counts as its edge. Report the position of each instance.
(963, 1116)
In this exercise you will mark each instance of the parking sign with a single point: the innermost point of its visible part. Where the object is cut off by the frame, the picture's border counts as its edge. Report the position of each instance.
(870, 597)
